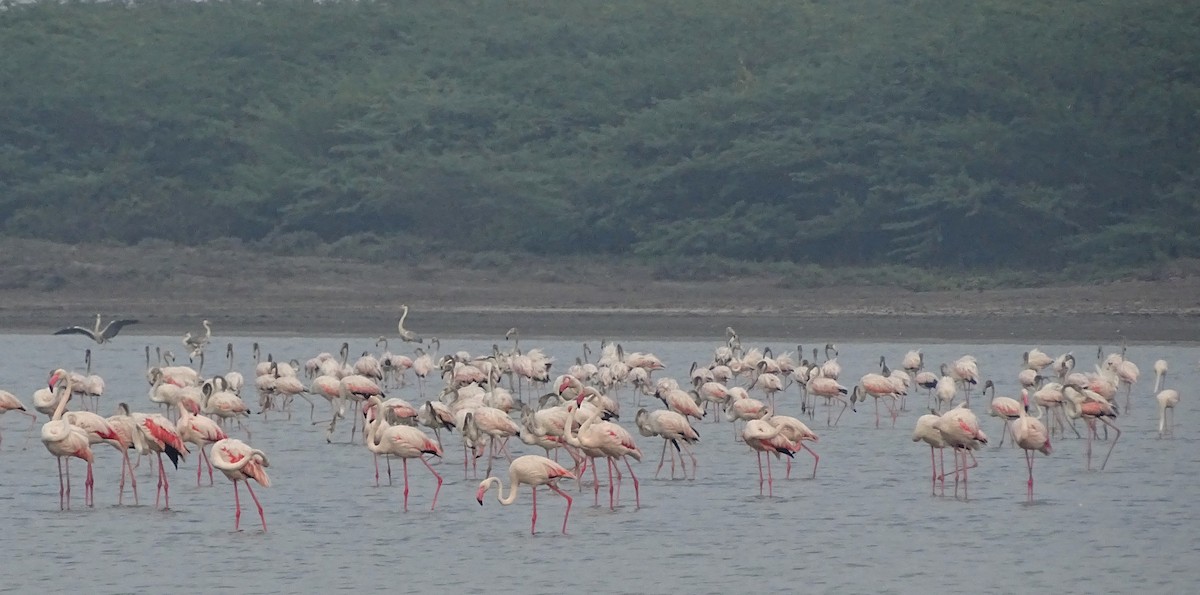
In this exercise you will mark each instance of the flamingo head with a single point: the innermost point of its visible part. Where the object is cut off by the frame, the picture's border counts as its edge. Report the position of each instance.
(564, 384)
(55, 377)
(483, 486)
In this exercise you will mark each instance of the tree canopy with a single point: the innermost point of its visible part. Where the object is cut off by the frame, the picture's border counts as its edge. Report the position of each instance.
(933, 133)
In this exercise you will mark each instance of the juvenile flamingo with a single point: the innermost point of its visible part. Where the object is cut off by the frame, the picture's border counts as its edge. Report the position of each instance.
(240, 462)
(533, 471)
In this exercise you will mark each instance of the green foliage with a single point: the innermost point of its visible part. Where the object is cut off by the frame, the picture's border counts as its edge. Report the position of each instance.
(696, 135)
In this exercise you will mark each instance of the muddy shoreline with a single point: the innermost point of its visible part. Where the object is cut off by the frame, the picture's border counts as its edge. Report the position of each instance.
(170, 289)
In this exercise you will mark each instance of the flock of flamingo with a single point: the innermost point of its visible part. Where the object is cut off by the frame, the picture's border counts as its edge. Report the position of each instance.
(486, 399)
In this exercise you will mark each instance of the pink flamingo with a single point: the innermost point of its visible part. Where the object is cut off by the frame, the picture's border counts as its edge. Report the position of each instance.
(960, 428)
(797, 432)
(614, 442)
(1007, 408)
(200, 431)
(99, 431)
(158, 435)
(533, 471)
(1030, 434)
(927, 431)
(10, 402)
(1091, 407)
(64, 440)
(126, 429)
(766, 438)
(240, 462)
(878, 386)
(672, 427)
(405, 442)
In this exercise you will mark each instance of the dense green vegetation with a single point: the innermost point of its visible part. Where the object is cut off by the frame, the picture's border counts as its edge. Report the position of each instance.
(937, 133)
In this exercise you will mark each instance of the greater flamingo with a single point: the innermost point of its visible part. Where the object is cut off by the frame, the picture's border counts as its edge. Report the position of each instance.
(1091, 406)
(927, 431)
(405, 442)
(64, 440)
(766, 438)
(609, 440)
(960, 428)
(1007, 408)
(200, 431)
(672, 427)
(1167, 399)
(10, 402)
(795, 430)
(158, 435)
(1030, 434)
(533, 471)
(240, 462)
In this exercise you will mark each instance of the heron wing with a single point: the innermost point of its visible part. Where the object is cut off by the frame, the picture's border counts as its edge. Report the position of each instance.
(115, 326)
(76, 330)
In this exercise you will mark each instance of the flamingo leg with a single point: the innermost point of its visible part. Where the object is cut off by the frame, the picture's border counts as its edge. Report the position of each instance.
(637, 495)
(261, 516)
(568, 512)
(964, 472)
(376, 470)
(61, 488)
(533, 522)
(816, 459)
(199, 465)
(388, 460)
(1029, 462)
(166, 484)
(88, 499)
(1113, 444)
(933, 464)
(682, 462)
(760, 473)
(405, 485)
(611, 486)
(1091, 431)
(770, 479)
(158, 488)
(237, 506)
(662, 457)
(595, 481)
(439, 482)
(208, 462)
(691, 454)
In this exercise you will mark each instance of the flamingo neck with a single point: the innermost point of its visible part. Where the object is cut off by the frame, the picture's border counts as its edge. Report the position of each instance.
(62, 402)
(512, 490)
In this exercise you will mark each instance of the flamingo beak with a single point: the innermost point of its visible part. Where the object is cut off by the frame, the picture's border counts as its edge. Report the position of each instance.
(53, 381)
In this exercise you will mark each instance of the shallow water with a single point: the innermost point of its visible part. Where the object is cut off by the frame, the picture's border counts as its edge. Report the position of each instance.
(867, 523)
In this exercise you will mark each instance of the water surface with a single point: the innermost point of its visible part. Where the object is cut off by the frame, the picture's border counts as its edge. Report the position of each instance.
(867, 523)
